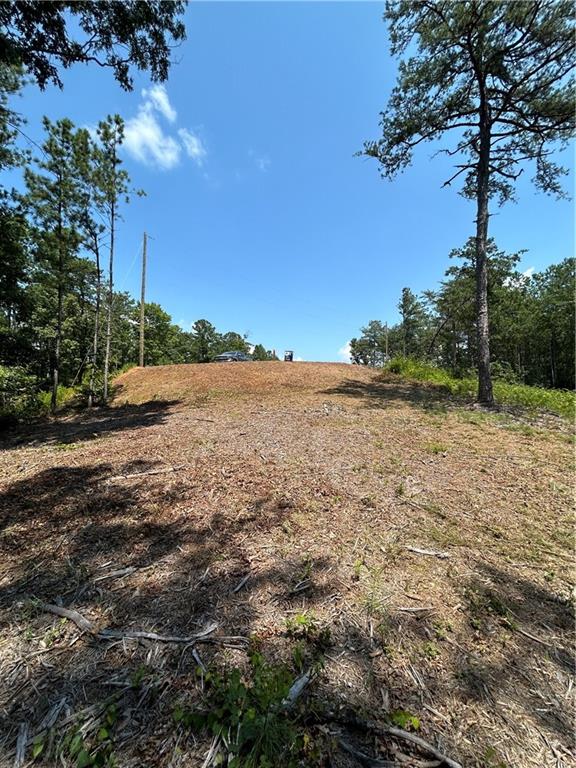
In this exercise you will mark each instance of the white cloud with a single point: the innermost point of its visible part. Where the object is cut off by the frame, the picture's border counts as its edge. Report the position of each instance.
(158, 98)
(344, 352)
(146, 139)
(193, 145)
(298, 359)
(529, 272)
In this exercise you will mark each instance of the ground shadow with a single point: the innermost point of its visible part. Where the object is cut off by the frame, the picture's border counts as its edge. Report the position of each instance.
(89, 424)
(384, 392)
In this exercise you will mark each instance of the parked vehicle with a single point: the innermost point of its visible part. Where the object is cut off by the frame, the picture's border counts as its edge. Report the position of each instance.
(288, 356)
(232, 357)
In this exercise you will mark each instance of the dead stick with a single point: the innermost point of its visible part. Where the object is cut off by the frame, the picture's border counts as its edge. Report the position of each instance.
(71, 615)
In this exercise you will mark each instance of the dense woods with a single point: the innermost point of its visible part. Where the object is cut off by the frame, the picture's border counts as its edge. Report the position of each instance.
(531, 322)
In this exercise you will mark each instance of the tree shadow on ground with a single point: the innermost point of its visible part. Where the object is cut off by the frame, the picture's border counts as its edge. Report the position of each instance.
(90, 424)
(386, 392)
(68, 533)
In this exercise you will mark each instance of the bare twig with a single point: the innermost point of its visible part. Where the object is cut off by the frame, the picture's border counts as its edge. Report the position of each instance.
(241, 583)
(150, 472)
(67, 613)
(429, 552)
(399, 733)
(116, 574)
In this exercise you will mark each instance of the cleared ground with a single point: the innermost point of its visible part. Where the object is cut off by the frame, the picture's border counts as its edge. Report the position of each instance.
(251, 495)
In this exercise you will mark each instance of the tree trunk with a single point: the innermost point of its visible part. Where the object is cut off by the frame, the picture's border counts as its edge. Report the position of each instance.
(110, 299)
(96, 325)
(485, 393)
(58, 343)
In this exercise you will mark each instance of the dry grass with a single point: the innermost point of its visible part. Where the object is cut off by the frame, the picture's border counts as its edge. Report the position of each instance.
(318, 474)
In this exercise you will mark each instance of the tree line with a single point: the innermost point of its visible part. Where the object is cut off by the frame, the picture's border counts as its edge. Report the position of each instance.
(61, 321)
(531, 322)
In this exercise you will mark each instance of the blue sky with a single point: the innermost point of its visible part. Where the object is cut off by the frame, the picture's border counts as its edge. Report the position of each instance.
(261, 218)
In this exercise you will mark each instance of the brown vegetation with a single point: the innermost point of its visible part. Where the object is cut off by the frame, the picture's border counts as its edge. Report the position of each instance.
(319, 483)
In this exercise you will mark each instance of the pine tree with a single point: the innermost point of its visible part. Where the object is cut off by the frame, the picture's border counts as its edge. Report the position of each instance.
(499, 74)
(54, 199)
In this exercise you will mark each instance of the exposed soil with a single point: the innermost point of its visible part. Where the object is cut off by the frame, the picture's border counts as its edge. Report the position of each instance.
(312, 480)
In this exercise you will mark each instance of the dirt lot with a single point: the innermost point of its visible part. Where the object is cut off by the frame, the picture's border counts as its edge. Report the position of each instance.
(284, 503)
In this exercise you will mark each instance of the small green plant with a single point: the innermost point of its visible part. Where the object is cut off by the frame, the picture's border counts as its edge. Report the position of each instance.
(357, 567)
(96, 751)
(305, 626)
(430, 650)
(404, 719)
(248, 715)
(436, 448)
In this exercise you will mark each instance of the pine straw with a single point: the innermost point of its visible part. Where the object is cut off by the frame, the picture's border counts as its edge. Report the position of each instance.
(310, 479)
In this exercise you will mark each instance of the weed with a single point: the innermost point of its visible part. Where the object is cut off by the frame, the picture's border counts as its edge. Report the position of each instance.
(248, 715)
(404, 719)
(96, 751)
(305, 626)
(436, 448)
(430, 650)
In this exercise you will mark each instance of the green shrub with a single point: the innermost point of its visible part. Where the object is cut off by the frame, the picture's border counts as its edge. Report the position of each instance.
(558, 401)
(18, 398)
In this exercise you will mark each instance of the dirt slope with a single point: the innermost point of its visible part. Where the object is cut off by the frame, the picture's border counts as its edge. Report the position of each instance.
(318, 482)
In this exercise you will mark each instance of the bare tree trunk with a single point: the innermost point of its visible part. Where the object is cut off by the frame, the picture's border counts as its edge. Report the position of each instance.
(96, 325)
(110, 299)
(485, 393)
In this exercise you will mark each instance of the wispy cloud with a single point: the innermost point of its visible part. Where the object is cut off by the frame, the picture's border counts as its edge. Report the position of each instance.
(262, 162)
(148, 141)
(158, 97)
(344, 352)
(193, 145)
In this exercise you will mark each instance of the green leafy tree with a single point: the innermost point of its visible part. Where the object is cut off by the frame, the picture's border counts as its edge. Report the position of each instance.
(234, 342)
(413, 319)
(500, 75)
(205, 341)
(41, 36)
(553, 326)
(259, 353)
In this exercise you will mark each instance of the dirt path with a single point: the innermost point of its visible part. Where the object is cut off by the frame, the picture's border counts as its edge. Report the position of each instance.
(310, 486)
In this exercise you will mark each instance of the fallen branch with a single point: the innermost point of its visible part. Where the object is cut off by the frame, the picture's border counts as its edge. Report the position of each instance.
(429, 552)
(200, 637)
(399, 733)
(296, 690)
(533, 637)
(241, 583)
(116, 574)
(120, 634)
(423, 609)
(150, 472)
(67, 613)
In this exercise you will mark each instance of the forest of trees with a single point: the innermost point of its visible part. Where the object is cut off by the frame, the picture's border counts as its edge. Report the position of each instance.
(531, 322)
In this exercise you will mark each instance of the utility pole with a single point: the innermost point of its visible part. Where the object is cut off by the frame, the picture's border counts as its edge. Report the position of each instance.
(142, 299)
